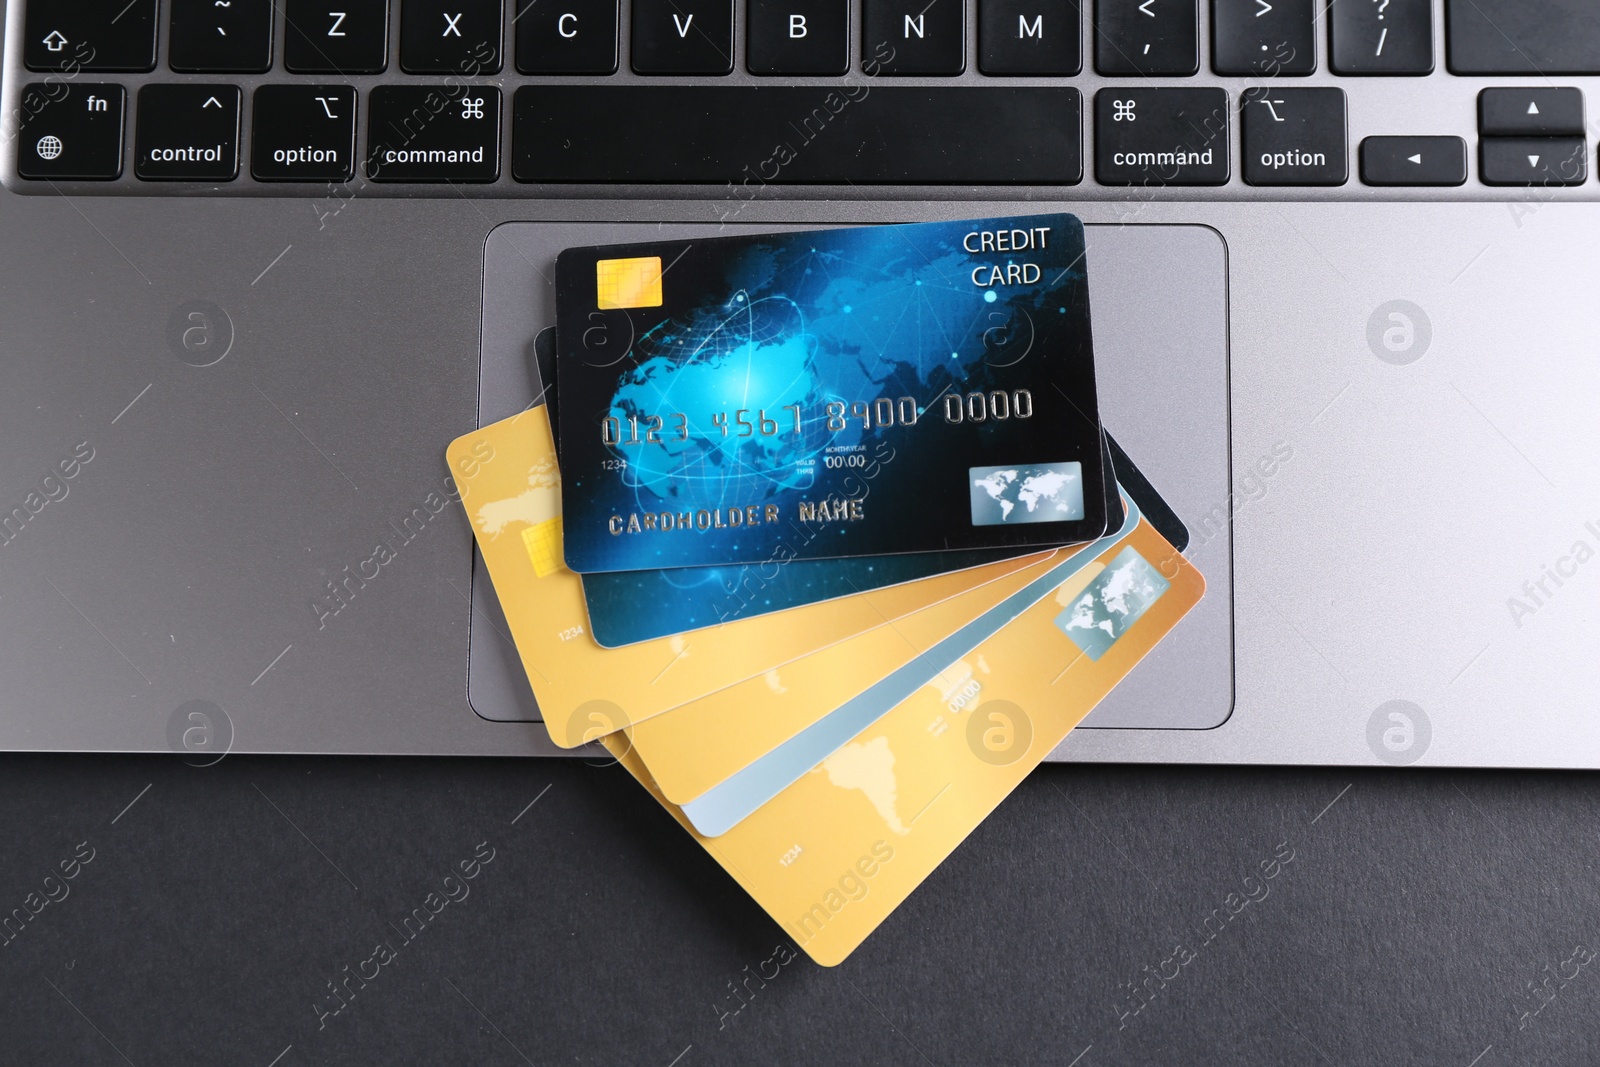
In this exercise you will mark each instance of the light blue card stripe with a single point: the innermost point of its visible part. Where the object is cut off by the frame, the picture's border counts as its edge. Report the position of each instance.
(723, 806)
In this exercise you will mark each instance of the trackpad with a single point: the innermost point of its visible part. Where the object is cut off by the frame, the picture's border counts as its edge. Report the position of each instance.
(1159, 301)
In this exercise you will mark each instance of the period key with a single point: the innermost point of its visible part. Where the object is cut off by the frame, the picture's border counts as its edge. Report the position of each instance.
(433, 133)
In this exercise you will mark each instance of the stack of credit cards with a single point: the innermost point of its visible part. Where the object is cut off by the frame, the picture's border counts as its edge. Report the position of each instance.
(821, 536)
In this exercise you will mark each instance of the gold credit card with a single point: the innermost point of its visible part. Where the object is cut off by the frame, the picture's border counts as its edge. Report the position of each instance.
(833, 854)
(511, 489)
(694, 747)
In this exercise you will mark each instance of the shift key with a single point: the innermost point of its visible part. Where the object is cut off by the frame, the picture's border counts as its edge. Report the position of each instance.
(437, 133)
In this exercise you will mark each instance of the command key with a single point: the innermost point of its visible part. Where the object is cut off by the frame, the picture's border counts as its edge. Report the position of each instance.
(1161, 136)
(422, 133)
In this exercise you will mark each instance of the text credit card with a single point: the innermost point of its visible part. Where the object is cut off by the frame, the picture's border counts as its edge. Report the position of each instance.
(834, 393)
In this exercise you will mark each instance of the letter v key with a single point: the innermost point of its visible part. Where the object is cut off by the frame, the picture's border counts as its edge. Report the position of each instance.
(683, 25)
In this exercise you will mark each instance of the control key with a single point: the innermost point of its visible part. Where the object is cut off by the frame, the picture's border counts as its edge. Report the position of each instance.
(187, 132)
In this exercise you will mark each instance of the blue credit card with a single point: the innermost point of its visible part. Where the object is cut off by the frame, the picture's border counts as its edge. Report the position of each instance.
(849, 392)
(630, 606)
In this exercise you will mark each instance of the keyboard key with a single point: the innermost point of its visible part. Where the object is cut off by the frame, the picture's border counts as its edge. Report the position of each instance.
(450, 36)
(1271, 39)
(1522, 36)
(187, 132)
(915, 36)
(1533, 160)
(1530, 112)
(1293, 136)
(1161, 136)
(1392, 38)
(221, 36)
(433, 133)
(74, 35)
(336, 36)
(1029, 37)
(1146, 37)
(70, 130)
(303, 133)
(682, 36)
(1414, 161)
(798, 37)
(746, 137)
(567, 36)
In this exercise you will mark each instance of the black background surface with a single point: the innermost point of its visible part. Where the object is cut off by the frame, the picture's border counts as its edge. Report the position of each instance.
(1418, 906)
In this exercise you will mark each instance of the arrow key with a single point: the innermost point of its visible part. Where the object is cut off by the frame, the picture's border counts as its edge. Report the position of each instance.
(1413, 161)
(187, 132)
(1533, 160)
(1546, 111)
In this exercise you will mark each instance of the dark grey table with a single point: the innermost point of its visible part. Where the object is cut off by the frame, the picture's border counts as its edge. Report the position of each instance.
(1103, 915)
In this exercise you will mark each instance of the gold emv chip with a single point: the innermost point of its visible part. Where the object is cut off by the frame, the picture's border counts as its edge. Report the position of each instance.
(543, 542)
(628, 283)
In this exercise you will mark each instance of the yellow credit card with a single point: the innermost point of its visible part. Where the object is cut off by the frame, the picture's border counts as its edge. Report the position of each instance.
(694, 747)
(511, 490)
(836, 852)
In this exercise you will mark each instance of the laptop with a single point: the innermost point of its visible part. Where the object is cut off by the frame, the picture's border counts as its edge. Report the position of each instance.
(260, 262)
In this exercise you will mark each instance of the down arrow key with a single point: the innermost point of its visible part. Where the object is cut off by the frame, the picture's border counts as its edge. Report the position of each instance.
(1533, 160)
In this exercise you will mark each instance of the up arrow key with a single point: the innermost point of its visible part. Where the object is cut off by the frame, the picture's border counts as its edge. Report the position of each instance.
(1533, 107)
(211, 101)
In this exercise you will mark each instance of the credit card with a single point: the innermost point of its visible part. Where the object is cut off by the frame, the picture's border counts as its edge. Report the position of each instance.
(836, 851)
(688, 598)
(511, 491)
(846, 392)
(693, 748)
(727, 803)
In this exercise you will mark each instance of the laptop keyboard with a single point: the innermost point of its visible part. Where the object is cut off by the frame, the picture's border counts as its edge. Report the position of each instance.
(1198, 99)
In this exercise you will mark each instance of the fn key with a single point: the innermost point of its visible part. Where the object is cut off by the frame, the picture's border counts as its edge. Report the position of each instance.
(71, 130)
